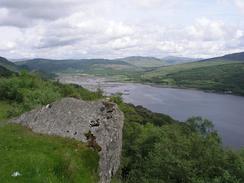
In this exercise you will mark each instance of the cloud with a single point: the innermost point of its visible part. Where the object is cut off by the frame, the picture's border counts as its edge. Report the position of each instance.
(111, 29)
(208, 30)
(240, 5)
(25, 12)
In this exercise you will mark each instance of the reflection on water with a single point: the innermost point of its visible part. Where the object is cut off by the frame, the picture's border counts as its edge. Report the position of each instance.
(226, 111)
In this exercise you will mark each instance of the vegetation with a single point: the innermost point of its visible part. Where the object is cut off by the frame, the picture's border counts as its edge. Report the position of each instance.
(158, 149)
(144, 62)
(5, 72)
(24, 92)
(219, 74)
(221, 78)
(41, 158)
(164, 71)
(77, 66)
(222, 74)
(8, 65)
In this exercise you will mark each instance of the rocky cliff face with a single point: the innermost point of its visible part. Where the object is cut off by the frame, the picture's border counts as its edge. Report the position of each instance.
(98, 123)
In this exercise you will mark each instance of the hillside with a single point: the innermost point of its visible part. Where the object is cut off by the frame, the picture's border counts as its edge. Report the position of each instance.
(146, 62)
(222, 74)
(230, 57)
(8, 65)
(5, 72)
(172, 60)
(97, 66)
(224, 78)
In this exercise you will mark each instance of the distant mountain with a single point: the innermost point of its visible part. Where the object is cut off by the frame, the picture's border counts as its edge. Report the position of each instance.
(78, 66)
(8, 65)
(170, 60)
(230, 57)
(146, 62)
(235, 56)
(151, 62)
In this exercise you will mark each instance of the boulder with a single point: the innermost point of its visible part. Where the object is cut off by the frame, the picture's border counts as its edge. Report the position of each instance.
(97, 123)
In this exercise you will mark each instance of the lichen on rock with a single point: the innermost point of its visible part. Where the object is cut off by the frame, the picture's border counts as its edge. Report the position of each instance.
(75, 119)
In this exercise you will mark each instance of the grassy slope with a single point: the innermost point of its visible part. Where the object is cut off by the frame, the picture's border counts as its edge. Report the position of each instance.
(40, 158)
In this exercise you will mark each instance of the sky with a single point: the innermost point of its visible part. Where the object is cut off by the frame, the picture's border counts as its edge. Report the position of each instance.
(62, 29)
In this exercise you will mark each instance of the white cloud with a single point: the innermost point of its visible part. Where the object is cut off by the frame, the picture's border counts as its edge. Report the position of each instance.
(105, 28)
(240, 5)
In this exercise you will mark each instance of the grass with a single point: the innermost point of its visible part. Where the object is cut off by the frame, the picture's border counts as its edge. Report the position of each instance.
(44, 159)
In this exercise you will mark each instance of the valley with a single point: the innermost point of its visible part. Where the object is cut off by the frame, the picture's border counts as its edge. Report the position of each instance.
(225, 111)
(221, 74)
(158, 121)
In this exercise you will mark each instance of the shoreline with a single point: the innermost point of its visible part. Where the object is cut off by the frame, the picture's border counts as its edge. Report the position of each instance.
(107, 79)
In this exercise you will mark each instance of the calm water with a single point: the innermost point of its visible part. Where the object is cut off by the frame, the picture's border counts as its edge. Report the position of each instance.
(226, 111)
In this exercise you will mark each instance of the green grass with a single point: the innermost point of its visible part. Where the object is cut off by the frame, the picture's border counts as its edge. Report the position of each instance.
(44, 159)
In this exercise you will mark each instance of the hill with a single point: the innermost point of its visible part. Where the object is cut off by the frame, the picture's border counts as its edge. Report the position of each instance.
(90, 66)
(218, 74)
(171, 60)
(147, 62)
(8, 65)
(229, 57)
(152, 62)
(5, 72)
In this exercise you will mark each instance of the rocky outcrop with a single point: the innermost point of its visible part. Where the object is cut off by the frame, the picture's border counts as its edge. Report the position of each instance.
(98, 123)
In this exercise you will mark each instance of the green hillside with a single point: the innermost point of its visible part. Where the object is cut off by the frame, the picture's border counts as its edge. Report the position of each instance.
(163, 71)
(96, 66)
(144, 62)
(222, 74)
(228, 77)
(8, 65)
(5, 72)
(172, 60)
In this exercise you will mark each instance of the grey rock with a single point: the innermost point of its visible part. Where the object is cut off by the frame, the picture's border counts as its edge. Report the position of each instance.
(74, 118)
